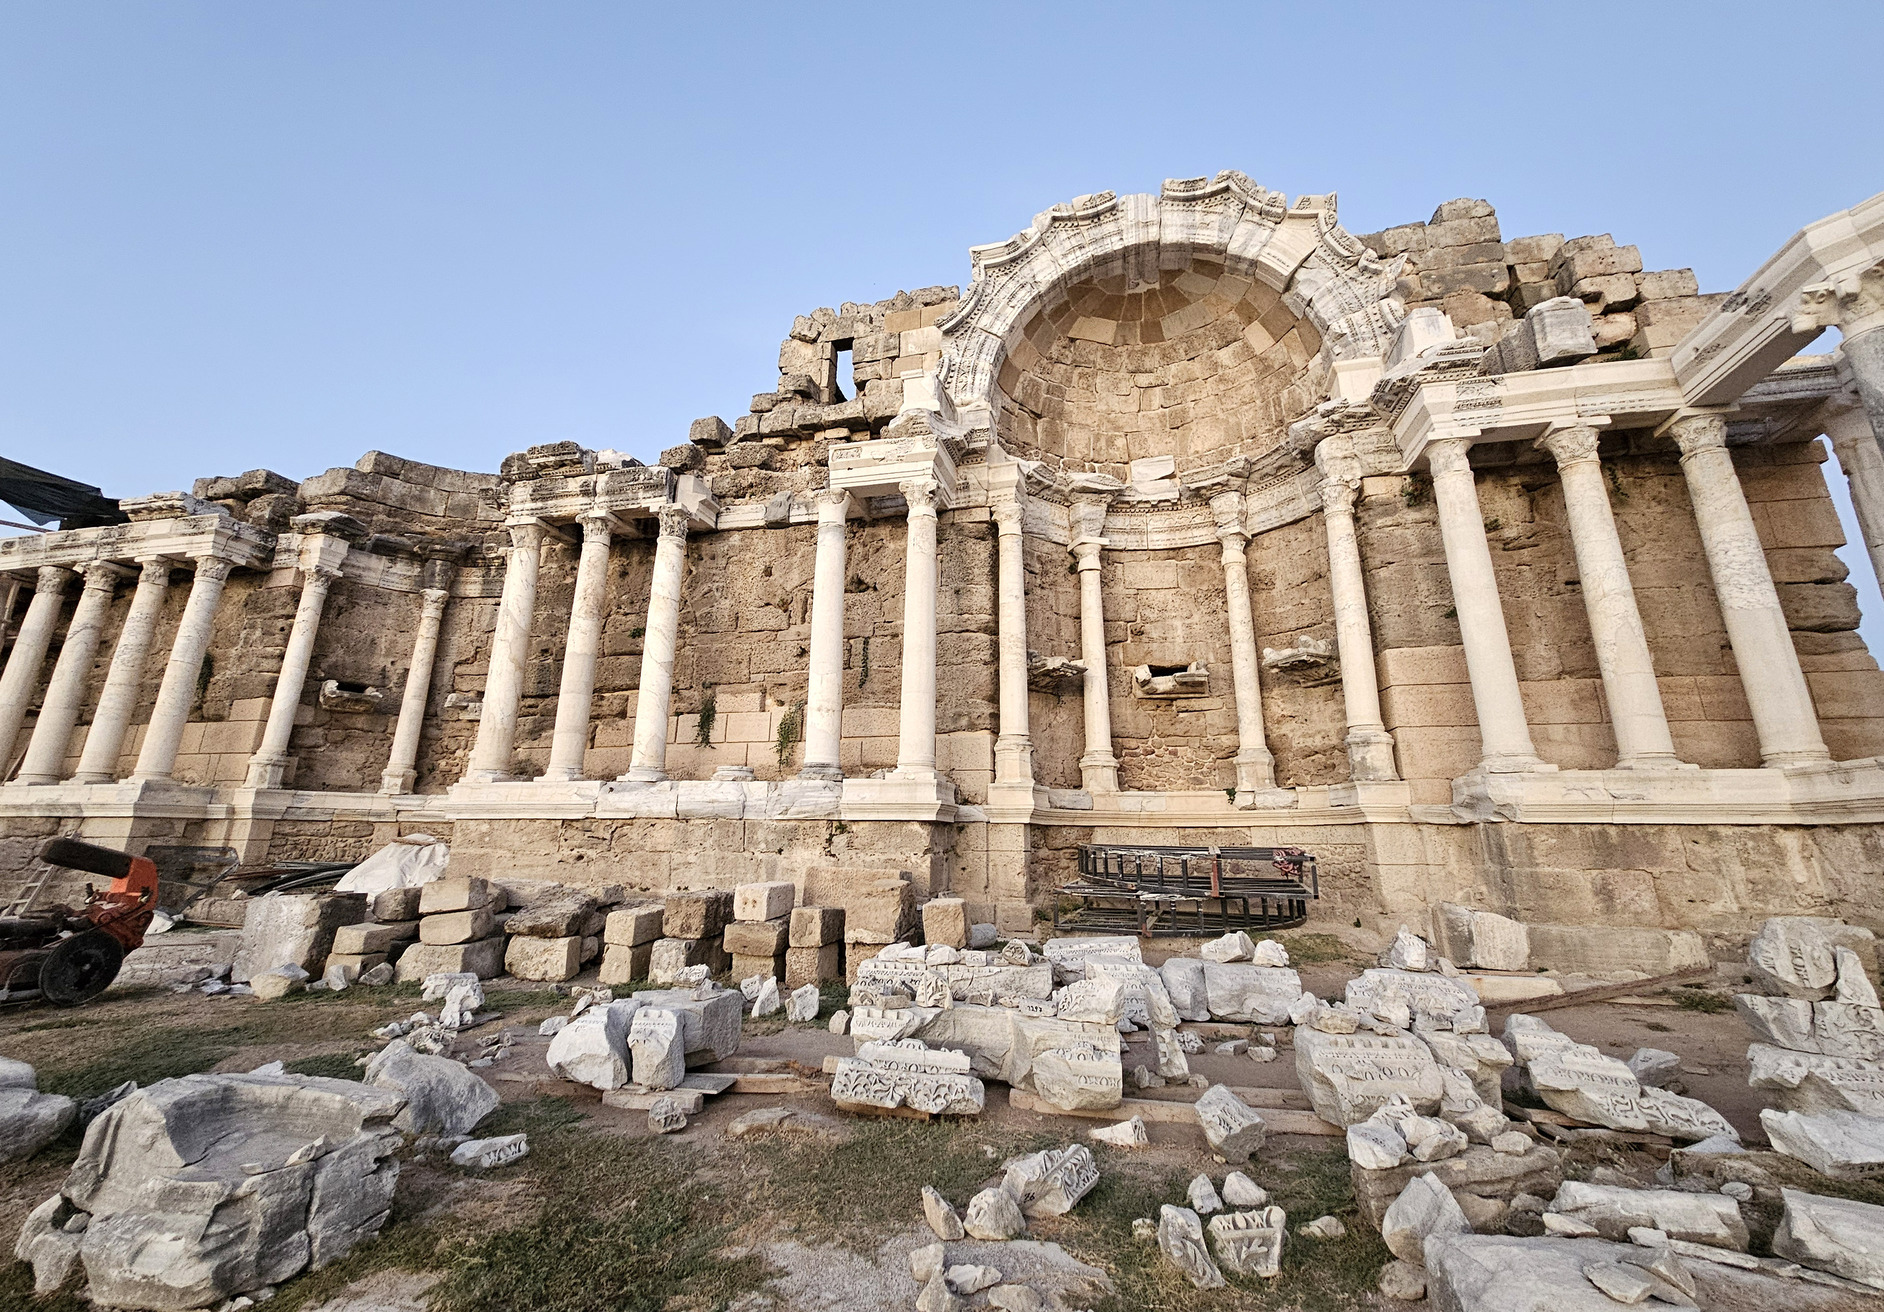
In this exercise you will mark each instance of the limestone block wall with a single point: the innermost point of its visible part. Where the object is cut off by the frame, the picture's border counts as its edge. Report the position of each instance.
(1303, 713)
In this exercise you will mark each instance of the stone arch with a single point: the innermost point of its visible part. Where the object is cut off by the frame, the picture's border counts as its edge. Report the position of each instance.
(1299, 251)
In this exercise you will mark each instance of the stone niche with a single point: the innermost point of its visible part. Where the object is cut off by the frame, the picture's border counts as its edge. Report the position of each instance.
(1164, 682)
(1121, 375)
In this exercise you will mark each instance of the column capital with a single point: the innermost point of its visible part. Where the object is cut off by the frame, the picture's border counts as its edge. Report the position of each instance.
(214, 568)
(319, 578)
(1226, 509)
(1007, 515)
(833, 504)
(1337, 496)
(674, 521)
(1449, 455)
(596, 527)
(919, 494)
(1853, 303)
(1697, 433)
(102, 575)
(526, 534)
(51, 578)
(433, 601)
(154, 569)
(1086, 552)
(1570, 444)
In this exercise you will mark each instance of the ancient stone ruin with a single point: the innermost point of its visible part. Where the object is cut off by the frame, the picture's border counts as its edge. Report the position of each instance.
(1481, 567)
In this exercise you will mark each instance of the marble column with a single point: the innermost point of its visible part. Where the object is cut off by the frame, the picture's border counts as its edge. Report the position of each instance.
(915, 746)
(1622, 650)
(503, 685)
(270, 762)
(1255, 763)
(21, 678)
(402, 765)
(58, 715)
(98, 762)
(1014, 744)
(1504, 733)
(1848, 428)
(1098, 767)
(1784, 719)
(655, 699)
(824, 682)
(157, 758)
(1370, 746)
(575, 697)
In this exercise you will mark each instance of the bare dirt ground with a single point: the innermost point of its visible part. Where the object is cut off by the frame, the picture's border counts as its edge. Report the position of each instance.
(820, 1216)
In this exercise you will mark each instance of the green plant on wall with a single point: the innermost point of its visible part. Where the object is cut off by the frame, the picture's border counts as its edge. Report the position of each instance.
(863, 664)
(1417, 490)
(703, 732)
(790, 728)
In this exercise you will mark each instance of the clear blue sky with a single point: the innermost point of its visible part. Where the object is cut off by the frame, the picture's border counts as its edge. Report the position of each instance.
(284, 234)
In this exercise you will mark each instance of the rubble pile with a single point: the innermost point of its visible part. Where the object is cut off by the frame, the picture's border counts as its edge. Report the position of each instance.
(1247, 1241)
(1042, 1184)
(1818, 1043)
(458, 930)
(557, 932)
(1580, 1081)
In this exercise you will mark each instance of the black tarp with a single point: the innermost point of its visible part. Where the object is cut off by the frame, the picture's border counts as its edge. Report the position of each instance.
(47, 498)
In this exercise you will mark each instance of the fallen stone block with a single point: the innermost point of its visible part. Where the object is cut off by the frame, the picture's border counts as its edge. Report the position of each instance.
(1068, 955)
(1480, 938)
(1845, 1029)
(880, 911)
(1051, 1183)
(1250, 993)
(905, 1072)
(1504, 1273)
(1843, 1145)
(666, 1116)
(456, 927)
(1349, 1077)
(201, 1188)
(489, 1154)
(818, 965)
(945, 921)
(1126, 1134)
(1181, 1239)
(1079, 1076)
(365, 939)
(670, 956)
(816, 927)
(941, 1216)
(697, 915)
(555, 913)
(592, 1048)
(548, 960)
(292, 929)
(709, 1018)
(1250, 1243)
(1611, 1211)
(1809, 1082)
(994, 1215)
(29, 1120)
(771, 900)
(1435, 1000)
(483, 958)
(632, 926)
(1185, 984)
(624, 963)
(1234, 946)
(1837, 1235)
(1423, 1209)
(1234, 1131)
(657, 1046)
(756, 938)
(455, 893)
(277, 982)
(1479, 1173)
(442, 1096)
(801, 1007)
(1792, 957)
(397, 904)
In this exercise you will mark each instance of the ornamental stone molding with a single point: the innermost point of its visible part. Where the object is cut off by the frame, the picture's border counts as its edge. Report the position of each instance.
(1299, 250)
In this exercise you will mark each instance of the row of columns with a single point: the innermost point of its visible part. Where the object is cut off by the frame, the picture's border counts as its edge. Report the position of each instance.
(44, 760)
(1784, 719)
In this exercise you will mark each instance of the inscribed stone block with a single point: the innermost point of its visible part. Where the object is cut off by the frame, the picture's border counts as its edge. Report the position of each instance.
(1349, 1076)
